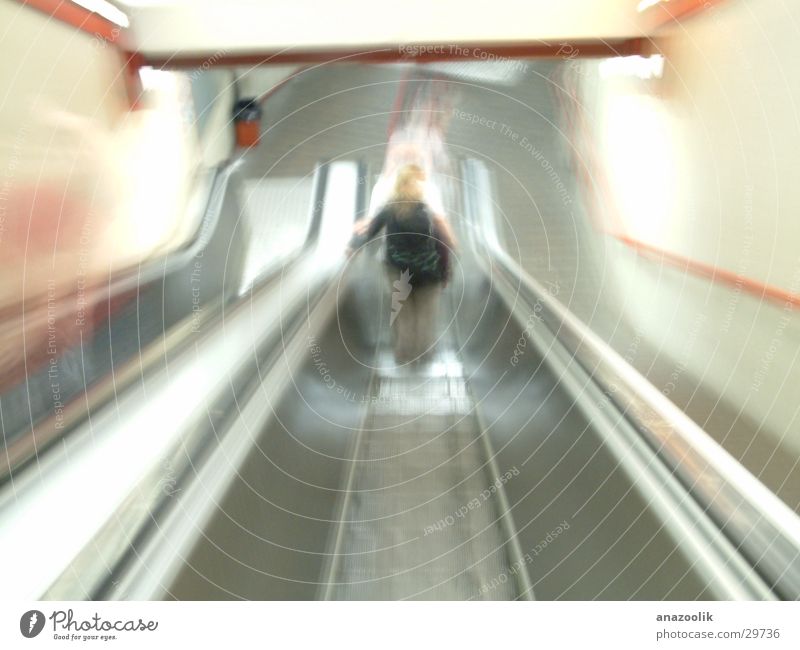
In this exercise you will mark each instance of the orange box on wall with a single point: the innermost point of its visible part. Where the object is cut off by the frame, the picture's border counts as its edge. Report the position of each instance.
(247, 117)
(248, 133)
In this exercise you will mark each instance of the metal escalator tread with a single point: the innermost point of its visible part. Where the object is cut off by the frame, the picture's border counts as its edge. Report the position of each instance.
(419, 463)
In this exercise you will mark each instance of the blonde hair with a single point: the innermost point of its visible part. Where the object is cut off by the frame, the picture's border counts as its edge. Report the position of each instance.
(408, 189)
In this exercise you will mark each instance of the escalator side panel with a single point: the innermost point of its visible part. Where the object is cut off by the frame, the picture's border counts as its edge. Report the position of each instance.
(269, 536)
(585, 530)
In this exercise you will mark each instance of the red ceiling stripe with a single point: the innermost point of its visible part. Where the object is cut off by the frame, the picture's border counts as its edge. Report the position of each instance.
(674, 11)
(407, 53)
(79, 17)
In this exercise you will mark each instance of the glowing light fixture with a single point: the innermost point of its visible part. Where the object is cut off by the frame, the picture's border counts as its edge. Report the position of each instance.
(646, 4)
(106, 10)
(644, 67)
(154, 79)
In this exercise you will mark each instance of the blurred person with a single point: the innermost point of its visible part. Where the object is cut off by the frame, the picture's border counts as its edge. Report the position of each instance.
(407, 146)
(418, 246)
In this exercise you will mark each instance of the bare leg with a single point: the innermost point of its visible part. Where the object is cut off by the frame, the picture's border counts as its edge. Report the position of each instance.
(402, 322)
(426, 316)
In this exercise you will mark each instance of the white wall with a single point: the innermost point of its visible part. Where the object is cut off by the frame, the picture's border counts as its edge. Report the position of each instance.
(87, 185)
(705, 164)
(720, 144)
(214, 94)
(254, 81)
(77, 161)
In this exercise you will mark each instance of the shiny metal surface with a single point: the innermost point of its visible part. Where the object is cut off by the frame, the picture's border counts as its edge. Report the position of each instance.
(420, 517)
(302, 463)
(340, 488)
(207, 377)
(759, 525)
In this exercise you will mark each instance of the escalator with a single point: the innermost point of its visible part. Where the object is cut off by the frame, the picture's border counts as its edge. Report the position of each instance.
(495, 470)
(279, 452)
(418, 518)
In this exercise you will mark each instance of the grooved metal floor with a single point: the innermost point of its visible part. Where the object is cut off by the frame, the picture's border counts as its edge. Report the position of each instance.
(408, 531)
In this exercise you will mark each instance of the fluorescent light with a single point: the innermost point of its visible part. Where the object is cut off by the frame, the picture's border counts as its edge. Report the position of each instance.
(152, 3)
(646, 4)
(106, 10)
(644, 67)
(642, 160)
(154, 79)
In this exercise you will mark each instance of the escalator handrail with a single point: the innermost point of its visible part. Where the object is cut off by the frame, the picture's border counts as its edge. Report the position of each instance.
(760, 525)
(168, 414)
(29, 444)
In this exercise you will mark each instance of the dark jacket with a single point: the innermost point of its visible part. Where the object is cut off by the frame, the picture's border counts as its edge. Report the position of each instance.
(412, 242)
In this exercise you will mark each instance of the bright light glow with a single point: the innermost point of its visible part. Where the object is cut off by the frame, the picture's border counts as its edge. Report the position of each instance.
(154, 3)
(646, 4)
(153, 79)
(643, 67)
(159, 155)
(106, 10)
(444, 367)
(339, 207)
(642, 162)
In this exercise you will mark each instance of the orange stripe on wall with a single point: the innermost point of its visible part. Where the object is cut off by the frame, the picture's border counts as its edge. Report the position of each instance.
(79, 17)
(715, 274)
